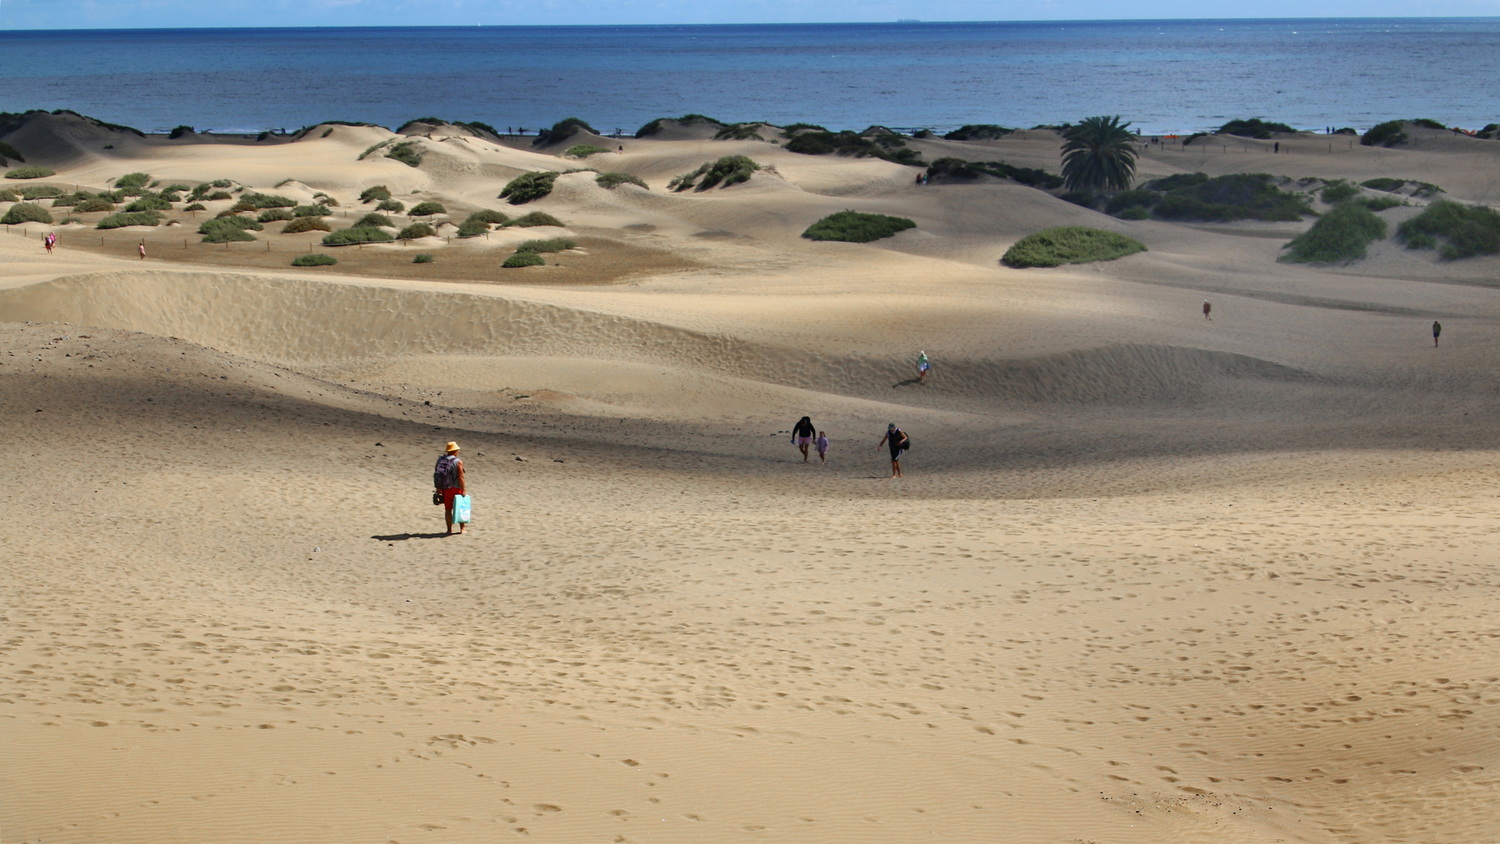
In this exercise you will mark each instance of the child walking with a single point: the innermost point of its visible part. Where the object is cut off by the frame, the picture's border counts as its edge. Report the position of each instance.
(822, 446)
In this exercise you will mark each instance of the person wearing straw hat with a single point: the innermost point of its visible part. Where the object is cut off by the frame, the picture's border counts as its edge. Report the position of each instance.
(448, 480)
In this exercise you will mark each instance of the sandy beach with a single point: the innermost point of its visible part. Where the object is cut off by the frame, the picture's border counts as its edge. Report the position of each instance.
(1148, 578)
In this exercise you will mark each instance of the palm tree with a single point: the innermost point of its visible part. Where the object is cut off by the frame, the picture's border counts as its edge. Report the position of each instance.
(1098, 153)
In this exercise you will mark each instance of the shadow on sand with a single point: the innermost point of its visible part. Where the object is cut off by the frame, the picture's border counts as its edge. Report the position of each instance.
(401, 537)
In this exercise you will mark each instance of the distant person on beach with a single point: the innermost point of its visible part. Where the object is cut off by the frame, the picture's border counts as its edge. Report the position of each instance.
(141, 250)
(898, 442)
(802, 435)
(448, 480)
(923, 366)
(1206, 308)
(50, 241)
(1437, 328)
(822, 444)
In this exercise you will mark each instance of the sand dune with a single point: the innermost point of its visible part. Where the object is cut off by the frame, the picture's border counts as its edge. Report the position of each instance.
(1148, 577)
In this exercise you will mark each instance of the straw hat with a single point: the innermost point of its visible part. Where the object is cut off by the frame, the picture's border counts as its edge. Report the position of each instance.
(452, 447)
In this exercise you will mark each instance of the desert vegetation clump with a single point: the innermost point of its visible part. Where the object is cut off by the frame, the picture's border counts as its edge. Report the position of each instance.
(1338, 191)
(8, 195)
(416, 230)
(319, 210)
(523, 259)
(26, 212)
(121, 219)
(1254, 128)
(729, 170)
(883, 145)
(375, 193)
(227, 229)
(739, 132)
(30, 173)
(612, 180)
(274, 215)
(1197, 197)
(1069, 245)
(372, 220)
(93, 205)
(1338, 237)
(1455, 230)
(298, 225)
(551, 244)
(355, 235)
(856, 227)
(529, 186)
(1388, 134)
(314, 259)
(31, 192)
(134, 180)
(583, 151)
(258, 201)
(977, 132)
(535, 218)
(957, 168)
(1386, 184)
(406, 152)
(421, 258)
(427, 209)
(654, 126)
(561, 131)
(150, 202)
(393, 206)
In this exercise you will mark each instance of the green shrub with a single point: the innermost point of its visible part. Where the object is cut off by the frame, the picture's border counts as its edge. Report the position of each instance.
(377, 192)
(856, 227)
(311, 211)
(523, 259)
(406, 152)
(551, 244)
(1381, 203)
(393, 206)
(612, 180)
(30, 173)
(133, 180)
(194, 206)
(179, 131)
(373, 219)
(529, 186)
(68, 199)
(1132, 200)
(1254, 128)
(149, 202)
(1491, 130)
(94, 205)
(122, 219)
(583, 151)
(220, 194)
(739, 132)
(887, 146)
(356, 234)
(230, 220)
(1136, 213)
(1238, 196)
(257, 201)
(1340, 191)
(1388, 134)
(535, 218)
(422, 258)
(7, 195)
(978, 132)
(274, 215)
(315, 259)
(298, 225)
(486, 215)
(561, 131)
(729, 170)
(1426, 123)
(1069, 245)
(416, 230)
(26, 212)
(1456, 231)
(9, 152)
(1389, 185)
(1338, 237)
(227, 229)
(427, 209)
(687, 120)
(41, 192)
(957, 168)
(472, 228)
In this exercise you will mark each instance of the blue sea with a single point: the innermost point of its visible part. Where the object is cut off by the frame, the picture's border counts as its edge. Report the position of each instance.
(1163, 76)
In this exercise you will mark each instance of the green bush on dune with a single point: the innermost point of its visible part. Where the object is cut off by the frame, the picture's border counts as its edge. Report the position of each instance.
(561, 131)
(1338, 191)
(1338, 237)
(374, 193)
(529, 186)
(121, 219)
(856, 227)
(1388, 134)
(31, 192)
(1196, 196)
(612, 180)
(258, 201)
(1389, 185)
(134, 180)
(416, 230)
(1254, 128)
(957, 168)
(1069, 245)
(372, 220)
(406, 152)
(319, 210)
(427, 209)
(315, 259)
(7, 195)
(93, 205)
(582, 151)
(551, 244)
(26, 212)
(298, 225)
(729, 170)
(422, 258)
(654, 126)
(884, 145)
(30, 173)
(1456, 231)
(150, 202)
(274, 215)
(357, 234)
(978, 132)
(228, 229)
(533, 219)
(523, 259)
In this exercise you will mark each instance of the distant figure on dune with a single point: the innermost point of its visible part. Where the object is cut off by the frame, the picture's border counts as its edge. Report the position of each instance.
(50, 241)
(899, 442)
(1206, 308)
(802, 435)
(1437, 328)
(141, 250)
(923, 366)
(822, 446)
(448, 480)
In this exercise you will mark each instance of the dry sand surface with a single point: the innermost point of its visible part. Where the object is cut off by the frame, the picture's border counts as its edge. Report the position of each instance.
(1148, 577)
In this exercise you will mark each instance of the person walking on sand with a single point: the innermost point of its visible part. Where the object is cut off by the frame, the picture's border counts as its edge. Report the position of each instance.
(923, 366)
(50, 241)
(448, 479)
(1206, 309)
(822, 446)
(1437, 328)
(898, 442)
(802, 435)
(141, 250)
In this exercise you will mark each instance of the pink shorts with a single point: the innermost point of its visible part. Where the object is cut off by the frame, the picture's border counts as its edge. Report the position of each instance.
(804, 441)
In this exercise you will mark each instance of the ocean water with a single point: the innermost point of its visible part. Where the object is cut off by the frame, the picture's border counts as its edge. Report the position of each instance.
(1163, 76)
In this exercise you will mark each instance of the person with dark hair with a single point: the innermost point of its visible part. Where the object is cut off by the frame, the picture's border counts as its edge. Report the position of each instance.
(1437, 328)
(899, 442)
(802, 435)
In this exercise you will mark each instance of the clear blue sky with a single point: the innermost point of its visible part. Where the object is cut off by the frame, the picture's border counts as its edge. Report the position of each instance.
(108, 14)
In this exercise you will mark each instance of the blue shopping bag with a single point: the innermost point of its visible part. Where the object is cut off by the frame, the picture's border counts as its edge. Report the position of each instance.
(461, 509)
